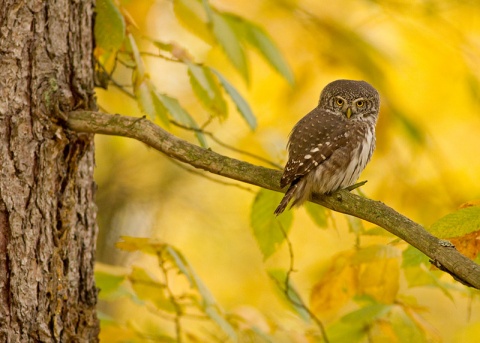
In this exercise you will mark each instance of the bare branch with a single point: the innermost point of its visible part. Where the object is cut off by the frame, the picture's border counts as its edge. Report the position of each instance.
(442, 255)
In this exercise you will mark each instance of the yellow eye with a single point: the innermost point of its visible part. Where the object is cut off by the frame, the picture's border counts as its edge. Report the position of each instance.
(339, 102)
(360, 103)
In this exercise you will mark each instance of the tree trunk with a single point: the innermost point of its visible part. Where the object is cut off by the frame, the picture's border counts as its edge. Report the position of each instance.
(47, 210)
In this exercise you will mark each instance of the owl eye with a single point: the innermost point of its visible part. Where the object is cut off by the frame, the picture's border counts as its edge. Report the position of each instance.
(360, 103)
(339, 102)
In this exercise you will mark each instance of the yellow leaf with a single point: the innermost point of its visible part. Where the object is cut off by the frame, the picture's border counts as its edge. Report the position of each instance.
(380, 279)
(336, 287)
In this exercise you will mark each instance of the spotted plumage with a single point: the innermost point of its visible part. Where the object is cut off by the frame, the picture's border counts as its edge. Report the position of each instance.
(330, 146)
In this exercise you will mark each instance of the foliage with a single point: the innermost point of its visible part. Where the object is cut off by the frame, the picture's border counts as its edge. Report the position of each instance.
(348, 281)
(175, 310)
(118, 44)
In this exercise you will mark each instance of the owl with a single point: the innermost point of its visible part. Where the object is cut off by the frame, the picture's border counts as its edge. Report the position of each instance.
(331, 145)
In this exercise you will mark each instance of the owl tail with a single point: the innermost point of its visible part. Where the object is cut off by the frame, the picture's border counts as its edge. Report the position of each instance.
(286, 199)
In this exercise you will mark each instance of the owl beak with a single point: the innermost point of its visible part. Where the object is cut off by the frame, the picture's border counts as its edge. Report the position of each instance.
(349, 112)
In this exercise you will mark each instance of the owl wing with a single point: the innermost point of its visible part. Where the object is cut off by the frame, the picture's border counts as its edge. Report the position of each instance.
(313, 141)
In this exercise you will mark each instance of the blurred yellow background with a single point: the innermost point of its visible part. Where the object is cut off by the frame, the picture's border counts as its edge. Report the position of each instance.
(422, 56)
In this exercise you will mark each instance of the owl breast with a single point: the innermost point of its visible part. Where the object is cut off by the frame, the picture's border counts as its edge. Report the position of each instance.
(339, 171)
(345, 165)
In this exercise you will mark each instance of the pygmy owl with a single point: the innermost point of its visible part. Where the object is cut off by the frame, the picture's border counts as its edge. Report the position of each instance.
(331, 145)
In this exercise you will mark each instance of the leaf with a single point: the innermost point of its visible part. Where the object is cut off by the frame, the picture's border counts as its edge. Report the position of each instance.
(413, 257)
(341, 332)
(182, 264)
(367, 314)
(289, 293)
(177, 112)
(150, 290)
(317, 213)
(139, 74)
(143, 94)
(192, 16)
(145, 245)
(416, 276)
(109, 283)
(379, 272)
(109, 26)
(229, 39)
(260, 40)
(269, 230)
(406, 329)
(160, 110)
(422, 276)
(206, 89)
(373, 253)
(240, 103)
(458, 223)
(377, 231)
(209, 305)
(336, 286)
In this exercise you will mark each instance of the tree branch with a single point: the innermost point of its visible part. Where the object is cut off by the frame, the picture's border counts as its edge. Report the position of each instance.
(442, 253)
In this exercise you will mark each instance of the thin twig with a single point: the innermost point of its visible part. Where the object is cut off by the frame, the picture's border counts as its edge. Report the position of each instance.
(177, 307)
(196, 172)
(225, 145)
(287, 289)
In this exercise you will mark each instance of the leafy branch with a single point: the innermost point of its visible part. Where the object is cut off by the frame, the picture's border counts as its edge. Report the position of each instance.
(441, 253)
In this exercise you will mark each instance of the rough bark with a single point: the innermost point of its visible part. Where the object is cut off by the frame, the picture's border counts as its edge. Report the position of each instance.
(442, 253)
(47, 211)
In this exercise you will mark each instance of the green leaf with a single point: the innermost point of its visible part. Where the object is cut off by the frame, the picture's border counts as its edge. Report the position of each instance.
(268, 229)
(354, 326)
(240, 103)
(108, 283)
(458, 223)
(317, 213)
(139, 74)
(341, 332)
(150, 290)
(176, 110)
(229, 39)
(192, 16)
(206, 89)
(413, 257)
(160, 110)
(109, 26)
(405, 327)
(290, 295)
(143, 94)
(260, 40)
(366, 315)
(423, 276)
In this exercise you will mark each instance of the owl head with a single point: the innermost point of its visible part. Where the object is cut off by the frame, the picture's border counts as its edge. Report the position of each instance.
(352, 100)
